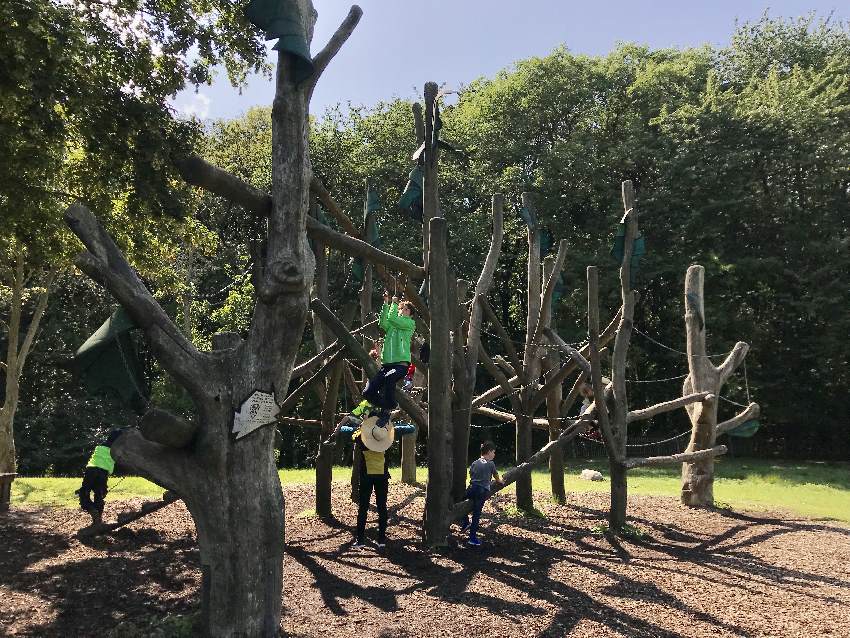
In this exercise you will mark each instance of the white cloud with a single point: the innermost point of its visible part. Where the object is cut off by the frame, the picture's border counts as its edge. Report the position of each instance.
(197, 106)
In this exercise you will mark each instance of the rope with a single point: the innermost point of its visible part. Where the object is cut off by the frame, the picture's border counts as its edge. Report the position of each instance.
(666, 347)
(681, 376)
(539, 344)
(740, 405)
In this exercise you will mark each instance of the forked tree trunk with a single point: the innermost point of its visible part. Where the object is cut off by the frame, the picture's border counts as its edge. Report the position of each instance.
(230, 484)
(704, 376)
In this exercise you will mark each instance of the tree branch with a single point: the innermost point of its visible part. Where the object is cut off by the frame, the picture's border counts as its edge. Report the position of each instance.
(296, 394)
(750, 412)
(731, 363)
(339, 38)
(568, 350)
(668, 406)
(485, 281)
(546, 298)
(512, 475)
(105, 263)
(503, 335)
(318, 188)
(351, 246)
(674, 459)
(167, 467)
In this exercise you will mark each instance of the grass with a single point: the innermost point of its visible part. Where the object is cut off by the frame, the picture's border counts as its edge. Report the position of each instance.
(812, 489)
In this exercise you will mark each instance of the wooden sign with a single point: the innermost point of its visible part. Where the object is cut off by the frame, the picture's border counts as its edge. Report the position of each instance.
(257, 410)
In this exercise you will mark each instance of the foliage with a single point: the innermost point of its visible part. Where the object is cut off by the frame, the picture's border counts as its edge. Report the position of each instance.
(739, 156)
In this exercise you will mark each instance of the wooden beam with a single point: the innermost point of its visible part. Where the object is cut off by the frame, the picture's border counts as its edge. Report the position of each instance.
(674, 459)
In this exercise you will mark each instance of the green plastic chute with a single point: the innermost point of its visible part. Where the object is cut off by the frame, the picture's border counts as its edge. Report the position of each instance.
(411, 198)
(282, 19)
(108, 362)
(746, 429)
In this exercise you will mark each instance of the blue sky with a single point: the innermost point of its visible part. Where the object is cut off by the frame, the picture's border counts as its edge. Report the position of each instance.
(392, 53)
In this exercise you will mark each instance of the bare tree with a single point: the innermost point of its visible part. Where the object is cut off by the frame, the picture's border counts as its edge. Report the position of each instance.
(613, 421)
(704, 376)
(231, 486)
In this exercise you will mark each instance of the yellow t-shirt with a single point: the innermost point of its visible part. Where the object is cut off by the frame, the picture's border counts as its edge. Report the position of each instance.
(374, 461)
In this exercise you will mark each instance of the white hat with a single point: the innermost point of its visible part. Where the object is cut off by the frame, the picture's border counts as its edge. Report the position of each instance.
(374, 437)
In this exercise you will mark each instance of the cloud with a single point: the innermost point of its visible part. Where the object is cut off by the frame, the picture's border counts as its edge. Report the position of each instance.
(197, 106)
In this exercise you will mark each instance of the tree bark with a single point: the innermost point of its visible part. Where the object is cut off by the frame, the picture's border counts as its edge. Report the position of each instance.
(704, 376)
(17, 350)
(324, 460)
(231, 486)
(531, 360)
(438, 494)
(553, 399)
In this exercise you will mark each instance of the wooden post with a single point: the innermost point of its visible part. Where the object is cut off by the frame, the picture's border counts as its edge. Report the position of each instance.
(531, 359)
(438, 495)
(553, 403)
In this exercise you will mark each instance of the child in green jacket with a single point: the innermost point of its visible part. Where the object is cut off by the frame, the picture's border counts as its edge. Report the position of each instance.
(398, 327)
(100, 466)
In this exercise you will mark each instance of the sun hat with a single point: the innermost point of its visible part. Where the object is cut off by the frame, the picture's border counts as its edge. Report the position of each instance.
(374, 437)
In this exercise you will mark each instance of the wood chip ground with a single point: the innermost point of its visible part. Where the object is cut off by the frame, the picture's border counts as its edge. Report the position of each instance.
(692, 573)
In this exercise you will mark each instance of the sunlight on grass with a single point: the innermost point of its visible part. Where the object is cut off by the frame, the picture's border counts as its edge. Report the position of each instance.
(812, 489)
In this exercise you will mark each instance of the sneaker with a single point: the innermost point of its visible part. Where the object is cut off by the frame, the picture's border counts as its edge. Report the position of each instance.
(464, 526)
(383, 420)
(359, 544)
(474, 542)
(382, 542)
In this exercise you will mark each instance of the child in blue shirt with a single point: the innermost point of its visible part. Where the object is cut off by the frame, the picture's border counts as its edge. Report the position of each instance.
(480, 473)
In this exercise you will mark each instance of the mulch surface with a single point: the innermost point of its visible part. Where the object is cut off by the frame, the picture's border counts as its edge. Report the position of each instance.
(691, 573)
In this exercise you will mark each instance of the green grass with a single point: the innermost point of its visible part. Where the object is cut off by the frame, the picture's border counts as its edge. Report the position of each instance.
(812, 489)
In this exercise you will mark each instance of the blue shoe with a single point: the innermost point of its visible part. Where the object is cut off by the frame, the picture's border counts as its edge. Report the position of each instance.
(464, 526)
(474, 542)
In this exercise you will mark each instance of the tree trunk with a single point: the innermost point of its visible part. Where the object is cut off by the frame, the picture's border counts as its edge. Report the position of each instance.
(619, 495)
(556, 459)
(408, 458)
(438, 494)
(531, 360)
(698, 477)
(17, 350)
(324, 461)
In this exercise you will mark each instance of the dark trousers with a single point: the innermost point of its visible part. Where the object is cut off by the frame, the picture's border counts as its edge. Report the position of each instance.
(477, 495)
(380, 390)
(381, 484)
(94, 484)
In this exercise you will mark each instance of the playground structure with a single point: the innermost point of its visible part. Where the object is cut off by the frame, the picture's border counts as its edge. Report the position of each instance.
(231, 486)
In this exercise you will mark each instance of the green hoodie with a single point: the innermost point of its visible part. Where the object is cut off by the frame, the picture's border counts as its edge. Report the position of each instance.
(398, 331)
(102, 458)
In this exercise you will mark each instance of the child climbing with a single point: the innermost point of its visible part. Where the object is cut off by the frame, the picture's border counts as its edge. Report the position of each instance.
(398, 326)
(100, 466)
(371, 444)
(480, 473)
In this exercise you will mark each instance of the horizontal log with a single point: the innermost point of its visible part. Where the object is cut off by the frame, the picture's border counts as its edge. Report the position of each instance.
(538, 458)
(507, 417)
(684, 457)
(358, 248)
(668, 406)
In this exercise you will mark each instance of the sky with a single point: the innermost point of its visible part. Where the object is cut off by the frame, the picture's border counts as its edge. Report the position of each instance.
(401, 44)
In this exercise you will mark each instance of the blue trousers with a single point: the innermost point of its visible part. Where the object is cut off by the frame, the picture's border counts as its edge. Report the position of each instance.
(477, 495)
(380, 390)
